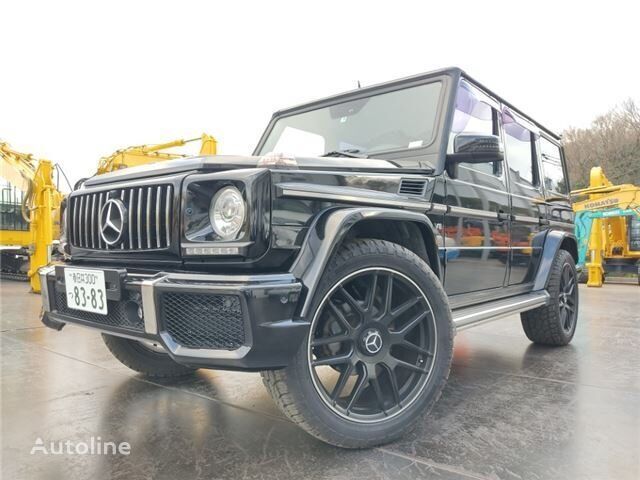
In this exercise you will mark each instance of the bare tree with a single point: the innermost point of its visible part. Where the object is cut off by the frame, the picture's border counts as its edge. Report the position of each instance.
(612, 142)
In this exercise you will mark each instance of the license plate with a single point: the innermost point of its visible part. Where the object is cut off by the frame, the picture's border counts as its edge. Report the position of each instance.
(86, 290)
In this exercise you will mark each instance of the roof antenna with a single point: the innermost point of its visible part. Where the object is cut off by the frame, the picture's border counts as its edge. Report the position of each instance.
(359, 84)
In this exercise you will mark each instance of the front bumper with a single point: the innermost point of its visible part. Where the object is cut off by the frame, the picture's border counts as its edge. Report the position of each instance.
(240, 322)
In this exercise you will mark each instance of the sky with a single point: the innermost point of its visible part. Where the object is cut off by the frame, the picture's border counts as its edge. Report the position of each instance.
(82, 79)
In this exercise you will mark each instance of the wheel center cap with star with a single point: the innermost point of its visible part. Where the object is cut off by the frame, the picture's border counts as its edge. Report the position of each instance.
(372, 341)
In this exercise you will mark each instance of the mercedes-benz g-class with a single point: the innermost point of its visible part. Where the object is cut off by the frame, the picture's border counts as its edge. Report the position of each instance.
(339, 260)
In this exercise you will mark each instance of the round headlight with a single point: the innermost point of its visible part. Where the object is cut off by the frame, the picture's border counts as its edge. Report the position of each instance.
(227, 212)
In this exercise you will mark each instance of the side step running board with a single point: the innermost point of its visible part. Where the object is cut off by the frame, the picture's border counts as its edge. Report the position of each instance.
(470, 316)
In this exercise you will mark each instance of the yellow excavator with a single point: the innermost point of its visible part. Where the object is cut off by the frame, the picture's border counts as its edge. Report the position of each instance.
(31, 202)
(29, 214)
(607, 228)
(143, 154)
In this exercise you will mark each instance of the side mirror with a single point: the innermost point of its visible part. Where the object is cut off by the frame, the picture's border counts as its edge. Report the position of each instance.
(474, 148)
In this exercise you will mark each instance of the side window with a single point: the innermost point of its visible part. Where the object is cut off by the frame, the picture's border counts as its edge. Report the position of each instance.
(552, 172)
(473, 115)
(519, 144)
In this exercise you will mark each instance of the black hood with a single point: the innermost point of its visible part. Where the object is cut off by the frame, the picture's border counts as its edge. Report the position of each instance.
(233, 162)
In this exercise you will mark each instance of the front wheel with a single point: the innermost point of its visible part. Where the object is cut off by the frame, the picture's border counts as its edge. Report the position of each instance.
(378, 352)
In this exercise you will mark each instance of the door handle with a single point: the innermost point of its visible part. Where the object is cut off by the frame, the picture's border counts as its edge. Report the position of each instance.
(503, 216)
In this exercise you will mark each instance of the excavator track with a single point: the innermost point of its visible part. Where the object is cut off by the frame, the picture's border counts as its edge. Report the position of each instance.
(15, 277)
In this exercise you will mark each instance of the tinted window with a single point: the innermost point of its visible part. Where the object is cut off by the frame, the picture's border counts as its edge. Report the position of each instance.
(553, 174)
(519, 144)
(473, 115)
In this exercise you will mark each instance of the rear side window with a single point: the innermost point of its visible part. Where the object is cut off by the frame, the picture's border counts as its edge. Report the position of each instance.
(552, 172)
(519, 143)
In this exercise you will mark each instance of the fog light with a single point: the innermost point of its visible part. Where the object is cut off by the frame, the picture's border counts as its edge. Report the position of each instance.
(133, 312)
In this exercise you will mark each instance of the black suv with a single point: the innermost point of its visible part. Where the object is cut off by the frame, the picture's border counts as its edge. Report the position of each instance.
(339, 260)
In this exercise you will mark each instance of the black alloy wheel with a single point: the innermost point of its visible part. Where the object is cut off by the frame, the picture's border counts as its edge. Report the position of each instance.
(567, 298)
(372, 345)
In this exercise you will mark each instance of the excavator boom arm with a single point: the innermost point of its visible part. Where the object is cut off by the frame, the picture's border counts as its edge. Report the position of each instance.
(144, 154)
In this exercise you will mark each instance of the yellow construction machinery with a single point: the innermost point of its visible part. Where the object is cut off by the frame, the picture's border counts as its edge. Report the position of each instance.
(29, 214)
(607, 228)
(31, 203)
(143, 154)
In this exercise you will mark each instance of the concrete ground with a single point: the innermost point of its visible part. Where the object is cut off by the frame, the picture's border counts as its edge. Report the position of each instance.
(511, 410)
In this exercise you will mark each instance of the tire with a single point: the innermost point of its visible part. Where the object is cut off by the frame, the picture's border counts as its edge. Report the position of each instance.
(555, 324)
(424, 311)
(583, 276)
(144, 359)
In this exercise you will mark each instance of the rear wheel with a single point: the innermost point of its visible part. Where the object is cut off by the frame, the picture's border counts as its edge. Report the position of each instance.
(378, 351)
(555, 323)
(583, 276)
(145, 357)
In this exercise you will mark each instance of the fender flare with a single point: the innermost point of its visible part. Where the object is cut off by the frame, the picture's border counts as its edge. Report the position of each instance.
(552, 243)
(329, 230)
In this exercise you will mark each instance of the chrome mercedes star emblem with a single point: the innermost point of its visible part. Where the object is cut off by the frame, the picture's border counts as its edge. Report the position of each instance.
(372, 341)
(112, 221)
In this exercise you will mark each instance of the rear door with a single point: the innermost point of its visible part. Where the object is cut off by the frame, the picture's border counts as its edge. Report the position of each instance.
(528, 208)
(556, 185)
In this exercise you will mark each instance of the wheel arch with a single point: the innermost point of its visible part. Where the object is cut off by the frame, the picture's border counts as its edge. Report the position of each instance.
(570, 244)
(413, 235)
(554, 240)
(412, 230)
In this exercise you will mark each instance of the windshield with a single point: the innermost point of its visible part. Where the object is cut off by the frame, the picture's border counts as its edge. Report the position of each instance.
(398, 120)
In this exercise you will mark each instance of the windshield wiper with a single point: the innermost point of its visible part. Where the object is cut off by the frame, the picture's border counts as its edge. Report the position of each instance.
(351, 153)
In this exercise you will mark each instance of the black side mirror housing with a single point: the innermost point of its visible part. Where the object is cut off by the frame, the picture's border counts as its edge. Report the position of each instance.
(474, 148)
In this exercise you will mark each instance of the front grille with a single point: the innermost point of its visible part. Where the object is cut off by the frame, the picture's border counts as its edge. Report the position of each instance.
(116, 316)
(197, 320)
(148, 218)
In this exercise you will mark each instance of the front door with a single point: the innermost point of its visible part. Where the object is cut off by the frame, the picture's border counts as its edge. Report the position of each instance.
(476, 239)
(476, 229)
